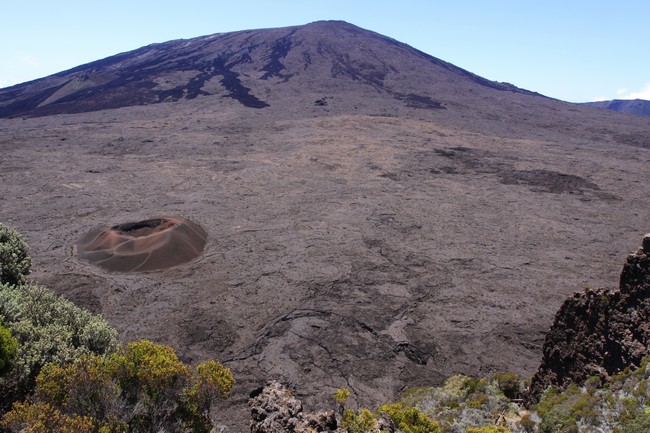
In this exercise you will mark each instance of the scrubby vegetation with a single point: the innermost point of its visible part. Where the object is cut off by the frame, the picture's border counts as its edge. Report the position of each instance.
(409, 419)
(48, 329)
(489, 405)
(8, 349)
(621, 405)
(14, 259)
(406, 419)
(143, 387)
(62, 370)
(465, 402)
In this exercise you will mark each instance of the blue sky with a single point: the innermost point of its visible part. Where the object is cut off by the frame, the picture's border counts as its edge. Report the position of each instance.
(573, 50)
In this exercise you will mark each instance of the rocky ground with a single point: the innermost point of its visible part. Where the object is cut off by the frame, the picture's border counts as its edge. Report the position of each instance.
(363, 251)
(376, 237)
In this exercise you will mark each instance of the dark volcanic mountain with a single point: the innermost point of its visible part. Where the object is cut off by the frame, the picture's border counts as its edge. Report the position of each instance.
(638, 107)
(256, 68)
(376, 218)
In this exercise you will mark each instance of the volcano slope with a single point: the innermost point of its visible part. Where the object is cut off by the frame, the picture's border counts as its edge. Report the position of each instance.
(376, 218)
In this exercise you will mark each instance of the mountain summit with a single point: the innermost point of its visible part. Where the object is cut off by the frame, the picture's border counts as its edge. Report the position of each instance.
(257, 68)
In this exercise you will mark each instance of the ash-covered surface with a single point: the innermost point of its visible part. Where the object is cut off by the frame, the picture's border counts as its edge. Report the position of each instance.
(141, 246)
(357, 242)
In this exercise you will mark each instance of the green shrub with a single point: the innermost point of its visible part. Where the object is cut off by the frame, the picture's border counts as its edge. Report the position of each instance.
(410, 419)
(14, 260)
(341, 395)
(43, 418)
(49, 329)
(638, 424)
(358, 421)
(462, 402)
(143, 387)
(8, 348)
(509, 383)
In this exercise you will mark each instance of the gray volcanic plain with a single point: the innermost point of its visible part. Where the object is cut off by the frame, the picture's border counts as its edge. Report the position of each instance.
(376, 218)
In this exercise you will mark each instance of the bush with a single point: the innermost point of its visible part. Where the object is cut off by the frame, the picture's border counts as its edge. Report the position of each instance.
(14, 261)
(48, 329)
(143, 387)
(43, 418)
(527, 424)
(341, 395)
(638, 424)
(358, 422)
(410, 420)
(8, 347)
(509, 384)
(462, 402)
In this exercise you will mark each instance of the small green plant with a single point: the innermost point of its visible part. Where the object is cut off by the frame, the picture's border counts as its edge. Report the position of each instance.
(8, 349)
(410, 419)
(358, 421)
(341, 395)
(14, 261)
(43, 418)
(48, 328)
(638, 424)
(509, 383)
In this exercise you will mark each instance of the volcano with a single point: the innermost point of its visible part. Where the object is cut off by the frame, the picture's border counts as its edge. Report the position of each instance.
(374, 217)
(256, 68)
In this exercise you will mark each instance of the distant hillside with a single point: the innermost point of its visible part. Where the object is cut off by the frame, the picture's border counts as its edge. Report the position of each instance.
(638, 107)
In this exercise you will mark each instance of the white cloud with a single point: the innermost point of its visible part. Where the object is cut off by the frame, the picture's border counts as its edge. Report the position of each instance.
(644, 93)
(30, 60)
(621, 91)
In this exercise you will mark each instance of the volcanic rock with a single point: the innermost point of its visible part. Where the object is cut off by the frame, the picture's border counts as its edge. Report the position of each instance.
(274, 409)
(377, 218)
(599, 332)
(254, 68)
(147, 245)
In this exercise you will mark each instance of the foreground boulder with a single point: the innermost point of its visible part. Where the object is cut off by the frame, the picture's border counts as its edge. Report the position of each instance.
(274, 409)
(599, 332)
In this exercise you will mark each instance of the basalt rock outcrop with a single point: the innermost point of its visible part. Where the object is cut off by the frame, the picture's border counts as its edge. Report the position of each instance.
(599, 332)
(274, 409)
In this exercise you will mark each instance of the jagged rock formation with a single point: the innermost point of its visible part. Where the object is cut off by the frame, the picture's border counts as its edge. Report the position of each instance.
(274, 409)
(599, 332)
